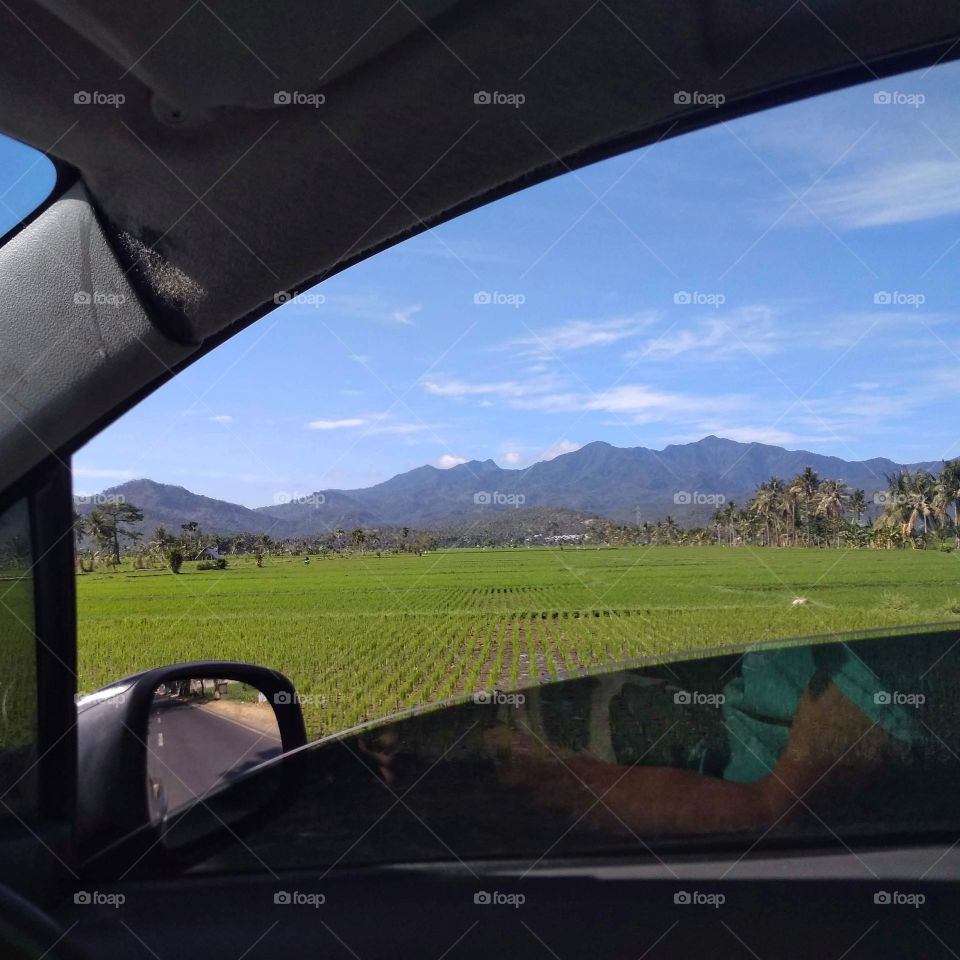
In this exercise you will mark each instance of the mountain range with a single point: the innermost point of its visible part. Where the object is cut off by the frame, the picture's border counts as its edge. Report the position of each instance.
(686, 481)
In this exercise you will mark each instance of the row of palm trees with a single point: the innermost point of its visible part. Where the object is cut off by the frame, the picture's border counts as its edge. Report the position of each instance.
(918, 501)
(796, 512)
(192, 542)
(912, 508)
(809, 511)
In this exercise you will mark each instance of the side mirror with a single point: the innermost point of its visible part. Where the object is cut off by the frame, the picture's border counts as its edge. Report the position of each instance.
(155, 743)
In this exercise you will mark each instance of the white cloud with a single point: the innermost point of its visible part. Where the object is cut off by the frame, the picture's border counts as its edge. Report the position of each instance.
(371, 307)
(902, 192)
(499, 388)
(221, 418)
(516, 458)
(638, 402)
(556, 449)
(398, 428)
(337, 424)
(749, 330)
(405, 314)
(448, 460)
(458, 250)
(748, 434)
(105, 473)
(579, 335)
(374, 423)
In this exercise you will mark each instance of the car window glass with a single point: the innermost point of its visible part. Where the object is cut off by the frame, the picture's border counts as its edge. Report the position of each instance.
(18, 669)
(26, 179)
(695, 398)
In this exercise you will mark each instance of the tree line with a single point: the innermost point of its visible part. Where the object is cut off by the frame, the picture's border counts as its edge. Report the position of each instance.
(110, 532)
(915, 508)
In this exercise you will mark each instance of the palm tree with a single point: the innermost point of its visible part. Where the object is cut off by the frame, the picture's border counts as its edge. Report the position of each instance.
(803, 487)
(718, 520)
(894, 500)
(158, 542)
(921, 499)
(768, 505)
(79, 527)
(670, 528)
(832, 501)
(947, 494)
(859, 503)
(909, 501)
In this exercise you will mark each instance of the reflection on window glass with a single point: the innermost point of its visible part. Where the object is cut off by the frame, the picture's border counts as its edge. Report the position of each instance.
(18, 668)
(26, 179)
(847, 738)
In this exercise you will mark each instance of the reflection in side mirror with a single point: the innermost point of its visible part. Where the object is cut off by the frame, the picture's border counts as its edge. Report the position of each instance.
(204, 732)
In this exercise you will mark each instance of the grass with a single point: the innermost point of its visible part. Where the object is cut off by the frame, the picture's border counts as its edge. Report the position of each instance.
(362, 637)
(18, 672)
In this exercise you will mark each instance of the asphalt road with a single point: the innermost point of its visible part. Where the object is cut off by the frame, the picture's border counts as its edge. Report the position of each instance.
(193, 749)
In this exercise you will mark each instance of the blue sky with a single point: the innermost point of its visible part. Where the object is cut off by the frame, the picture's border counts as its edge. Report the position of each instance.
(818, 246)
(26, 179)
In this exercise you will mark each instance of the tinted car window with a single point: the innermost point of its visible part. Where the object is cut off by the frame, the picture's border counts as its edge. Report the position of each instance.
(18, 666)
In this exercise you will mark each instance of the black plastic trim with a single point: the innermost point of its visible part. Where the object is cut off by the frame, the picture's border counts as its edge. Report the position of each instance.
(55, 619)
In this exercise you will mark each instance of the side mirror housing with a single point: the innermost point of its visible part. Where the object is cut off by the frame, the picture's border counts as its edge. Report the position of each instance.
(119, 790)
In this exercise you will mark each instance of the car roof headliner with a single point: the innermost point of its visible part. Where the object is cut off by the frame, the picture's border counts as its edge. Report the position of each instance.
(216, 197)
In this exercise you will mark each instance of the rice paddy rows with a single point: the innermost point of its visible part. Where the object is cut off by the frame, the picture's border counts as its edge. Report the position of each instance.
(363, 637)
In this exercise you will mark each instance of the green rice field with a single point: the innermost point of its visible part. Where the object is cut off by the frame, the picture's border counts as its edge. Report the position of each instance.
(363, 636)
